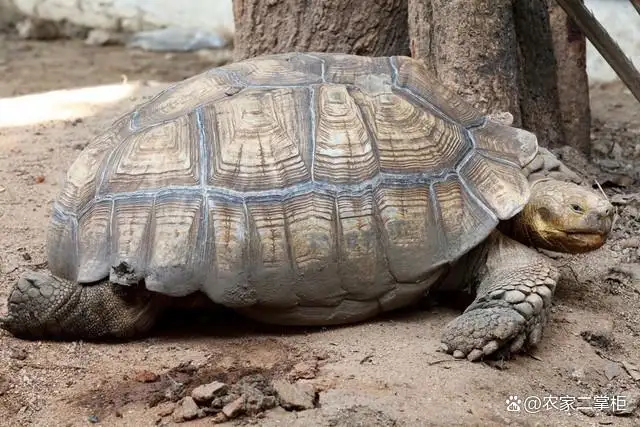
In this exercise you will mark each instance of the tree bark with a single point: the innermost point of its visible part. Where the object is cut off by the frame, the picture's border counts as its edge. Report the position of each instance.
(507, 55)
(539, 102)
(471, 47)
(573, 84)
(360, 27)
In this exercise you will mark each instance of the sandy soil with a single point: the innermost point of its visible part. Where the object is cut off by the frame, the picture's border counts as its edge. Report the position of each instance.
(380, 373)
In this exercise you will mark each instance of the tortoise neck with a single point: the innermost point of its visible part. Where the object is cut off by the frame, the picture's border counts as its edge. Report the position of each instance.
(519, 229)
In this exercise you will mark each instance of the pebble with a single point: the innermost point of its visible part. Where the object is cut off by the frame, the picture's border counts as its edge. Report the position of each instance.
(612, 370)
(186, 410)
(307, 370)
(165, 408)
(632, 370)
(99, 37)
(295, 396)
(234, 408)
(219, 418)
(207, 392)
(18, 353)
(145, 376)
(577, 374)
(631, 403)
(600, 334)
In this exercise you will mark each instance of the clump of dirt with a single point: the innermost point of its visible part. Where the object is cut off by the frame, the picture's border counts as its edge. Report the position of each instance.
(249, 388)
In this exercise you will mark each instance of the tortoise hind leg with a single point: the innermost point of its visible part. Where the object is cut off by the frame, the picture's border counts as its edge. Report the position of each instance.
(42, 306)
(512, 303)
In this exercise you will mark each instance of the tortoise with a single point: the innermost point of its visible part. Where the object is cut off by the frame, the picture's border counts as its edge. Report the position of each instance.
(308, 189)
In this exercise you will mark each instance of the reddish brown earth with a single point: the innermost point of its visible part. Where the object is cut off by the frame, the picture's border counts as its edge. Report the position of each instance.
(380, 373)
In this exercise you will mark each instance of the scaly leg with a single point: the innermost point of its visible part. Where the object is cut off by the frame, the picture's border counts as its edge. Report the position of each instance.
(42, 306)
(512, 304)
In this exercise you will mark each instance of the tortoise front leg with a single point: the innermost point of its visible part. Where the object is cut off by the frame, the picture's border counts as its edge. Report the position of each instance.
(512, 303)
(42, 306)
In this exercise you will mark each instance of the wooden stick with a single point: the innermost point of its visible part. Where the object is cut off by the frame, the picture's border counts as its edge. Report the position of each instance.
(636, 5)
(603, 42)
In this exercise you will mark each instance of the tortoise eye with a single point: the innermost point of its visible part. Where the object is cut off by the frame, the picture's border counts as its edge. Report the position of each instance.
(577, 208)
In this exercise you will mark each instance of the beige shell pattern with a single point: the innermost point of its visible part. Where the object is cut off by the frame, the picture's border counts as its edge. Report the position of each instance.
(324, 183)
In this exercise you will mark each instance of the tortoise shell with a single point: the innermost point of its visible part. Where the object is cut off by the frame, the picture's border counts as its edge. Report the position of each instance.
(315, 180)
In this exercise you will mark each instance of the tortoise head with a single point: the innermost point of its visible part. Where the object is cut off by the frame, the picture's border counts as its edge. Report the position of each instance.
(563, 217)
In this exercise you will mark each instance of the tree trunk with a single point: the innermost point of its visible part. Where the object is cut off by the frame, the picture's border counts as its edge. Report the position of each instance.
(360, 27)
(573, 84)
(470, 45)
(502, 55)
(539, 102)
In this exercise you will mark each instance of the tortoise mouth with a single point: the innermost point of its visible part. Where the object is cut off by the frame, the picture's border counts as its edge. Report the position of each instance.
(582, 233)
(584, 241)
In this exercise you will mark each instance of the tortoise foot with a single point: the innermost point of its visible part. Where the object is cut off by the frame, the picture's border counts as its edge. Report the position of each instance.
(42, 306)
(494, 331)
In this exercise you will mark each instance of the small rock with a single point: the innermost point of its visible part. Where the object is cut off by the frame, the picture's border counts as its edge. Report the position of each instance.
(306, 370)
(626, 404)
(612, 370)
(39, 179)
(186, 410)
(145, 376)
(219, 418)
(99, 37)
(600, 335)
(18, 353)
(296, 396)
(235, 408)
(165, 408)
(93, 419)
(589, 412)
(577, 374)
(207, 392)
(632, 369)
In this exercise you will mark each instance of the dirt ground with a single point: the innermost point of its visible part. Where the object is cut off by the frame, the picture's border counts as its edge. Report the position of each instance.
(380, 373)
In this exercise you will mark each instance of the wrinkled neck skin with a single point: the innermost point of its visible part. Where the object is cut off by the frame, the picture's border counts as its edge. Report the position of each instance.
(519, 228)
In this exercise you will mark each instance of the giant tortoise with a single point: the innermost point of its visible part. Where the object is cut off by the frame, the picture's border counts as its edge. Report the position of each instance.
(307, 189)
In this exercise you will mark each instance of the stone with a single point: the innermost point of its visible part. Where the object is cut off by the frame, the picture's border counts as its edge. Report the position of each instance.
(600, 334)
(296, 396)
(165, 409)
(146, 376)
(626, 404)
(207, 392)
(186, 410)
(577, 374)
(100, 37)
(306, 370)
(612, 370)
(234, 408)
